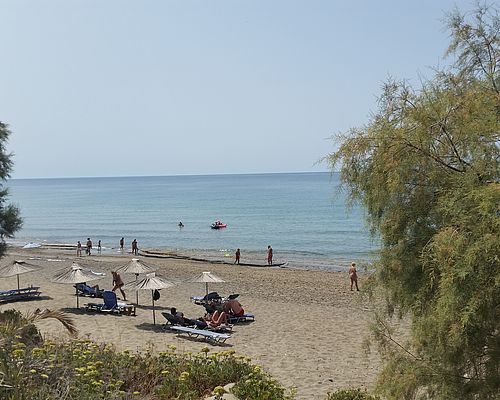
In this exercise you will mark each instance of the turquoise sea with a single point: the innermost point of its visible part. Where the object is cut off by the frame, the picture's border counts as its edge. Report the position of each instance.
(302, 215)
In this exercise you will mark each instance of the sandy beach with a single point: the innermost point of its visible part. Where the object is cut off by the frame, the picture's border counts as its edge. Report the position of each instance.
(308, 333)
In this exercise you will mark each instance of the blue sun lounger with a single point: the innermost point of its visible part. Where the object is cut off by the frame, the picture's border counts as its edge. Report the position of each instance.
(20, 294)
(111, 305)
(212, 337)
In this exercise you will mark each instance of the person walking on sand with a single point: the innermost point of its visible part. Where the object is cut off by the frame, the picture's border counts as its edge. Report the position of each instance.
(353, 275)
(99, 246)
(122, 243)
(79, 249)
(237, 256)
(134, 247)
(89, 247)
(118, 283)
(269, 255)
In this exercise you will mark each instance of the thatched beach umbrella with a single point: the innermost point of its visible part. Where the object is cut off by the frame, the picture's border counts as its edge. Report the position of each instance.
(76, 274)
(17, 267)
(150, 282)
(136, 266)
(207, 277)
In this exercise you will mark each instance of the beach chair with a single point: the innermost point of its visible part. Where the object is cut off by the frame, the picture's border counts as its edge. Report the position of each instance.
(111, 305)
(209, 336)
(193, 323)
(212, 296)
(248, 317)
(86, 290)
(28, 293)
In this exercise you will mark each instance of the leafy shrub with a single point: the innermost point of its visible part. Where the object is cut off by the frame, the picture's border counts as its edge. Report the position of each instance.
(351, 394)
(85, 370)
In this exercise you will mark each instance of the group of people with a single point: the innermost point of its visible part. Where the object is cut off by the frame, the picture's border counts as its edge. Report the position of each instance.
(237, 255)
(89, 246)
(135, 248)
(217, 314)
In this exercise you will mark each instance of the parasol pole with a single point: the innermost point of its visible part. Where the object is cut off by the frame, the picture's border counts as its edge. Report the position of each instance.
(153, 298)
(18, 287)
(77, 297)
(136, 291)
(206, 286)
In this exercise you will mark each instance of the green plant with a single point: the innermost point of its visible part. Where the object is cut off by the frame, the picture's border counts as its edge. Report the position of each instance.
(351, 394)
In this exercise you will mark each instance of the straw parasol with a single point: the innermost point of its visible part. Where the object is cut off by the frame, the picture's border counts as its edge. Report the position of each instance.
(150, 282)
(76, 274)
(136, 266)
(16, 267)
(207, 277)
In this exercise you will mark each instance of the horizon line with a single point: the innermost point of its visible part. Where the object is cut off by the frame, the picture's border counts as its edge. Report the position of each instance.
(172, 175)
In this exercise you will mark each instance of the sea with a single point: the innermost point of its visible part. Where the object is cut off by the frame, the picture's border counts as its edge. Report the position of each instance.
(303, 216)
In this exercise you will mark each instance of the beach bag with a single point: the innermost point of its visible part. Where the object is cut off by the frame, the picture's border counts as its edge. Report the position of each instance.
(156, 295)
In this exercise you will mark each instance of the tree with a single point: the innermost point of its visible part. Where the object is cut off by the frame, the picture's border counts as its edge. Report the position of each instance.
(10, 220)
(426, 168)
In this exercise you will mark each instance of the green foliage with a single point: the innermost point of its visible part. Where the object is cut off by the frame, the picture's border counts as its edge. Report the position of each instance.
(31, 368)
(426, 168)
(10, 220)
(350, 394)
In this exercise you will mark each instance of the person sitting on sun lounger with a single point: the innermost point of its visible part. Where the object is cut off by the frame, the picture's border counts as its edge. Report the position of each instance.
(180, 319)
(233, 307)
(218, 318)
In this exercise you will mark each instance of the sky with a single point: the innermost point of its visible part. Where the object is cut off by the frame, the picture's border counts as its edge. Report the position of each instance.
(163, 87)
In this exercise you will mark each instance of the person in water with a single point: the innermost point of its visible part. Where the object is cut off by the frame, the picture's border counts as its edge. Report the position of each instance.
(181, 225)
(353, 275)
(135, 249)
(79, 249)
(269, 255)
(237, 256)
(122, 243)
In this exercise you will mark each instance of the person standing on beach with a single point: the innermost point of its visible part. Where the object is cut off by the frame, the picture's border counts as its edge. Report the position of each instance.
(134, 247)
(79, 249)
(118, 283)
(122, 243)
(99, 246)
(89, 246)
(269, 255)
(353, 275)
(237, 256)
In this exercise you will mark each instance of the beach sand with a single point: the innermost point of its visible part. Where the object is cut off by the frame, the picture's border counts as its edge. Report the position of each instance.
(309, 331)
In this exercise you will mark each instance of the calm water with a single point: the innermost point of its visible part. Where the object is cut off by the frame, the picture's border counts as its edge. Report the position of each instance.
(302, 216)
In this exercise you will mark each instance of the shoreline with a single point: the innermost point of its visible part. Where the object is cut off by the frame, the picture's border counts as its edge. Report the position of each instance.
(309, 331)
(296, 260)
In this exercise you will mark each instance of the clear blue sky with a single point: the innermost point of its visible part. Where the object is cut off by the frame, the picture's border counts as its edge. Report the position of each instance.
(120, 87)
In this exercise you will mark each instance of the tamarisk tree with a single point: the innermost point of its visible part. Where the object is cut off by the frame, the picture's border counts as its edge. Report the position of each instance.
(426, 168)
(10, 220)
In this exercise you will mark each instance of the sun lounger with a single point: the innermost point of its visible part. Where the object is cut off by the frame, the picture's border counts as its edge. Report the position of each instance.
(86, 290)
(20, 294)
(193, 323)
(248, 317)
(111, 305)
(212, 337)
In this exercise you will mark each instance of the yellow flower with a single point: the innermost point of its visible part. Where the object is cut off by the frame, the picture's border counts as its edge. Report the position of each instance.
(44, 376)
(164, 372)
(219, 391)
(33, 371)
(136, 393)
(205, 349)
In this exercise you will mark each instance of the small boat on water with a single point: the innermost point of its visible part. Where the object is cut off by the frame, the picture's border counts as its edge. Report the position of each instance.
(218, 225)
